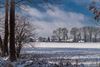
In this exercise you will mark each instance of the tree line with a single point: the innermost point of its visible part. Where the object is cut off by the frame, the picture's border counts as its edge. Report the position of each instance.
(83, 34)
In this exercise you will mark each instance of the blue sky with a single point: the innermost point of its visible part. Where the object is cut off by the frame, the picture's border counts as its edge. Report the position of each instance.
(58, 13)
(62, 13)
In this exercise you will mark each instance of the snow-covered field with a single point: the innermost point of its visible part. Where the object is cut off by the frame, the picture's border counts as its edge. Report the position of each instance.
(41, 54)
(91, 50)
(61, 45)
(86, 53)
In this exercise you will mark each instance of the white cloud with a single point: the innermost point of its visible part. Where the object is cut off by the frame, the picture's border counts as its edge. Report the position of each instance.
(97, 0)
(57, 18)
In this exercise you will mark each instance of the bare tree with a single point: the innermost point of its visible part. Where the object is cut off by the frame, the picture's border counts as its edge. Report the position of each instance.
(5, 44)
(61, 34)
(23, 31)
(74, 31)
(12, 31)
(58, 34)
(90, 32)
(84, 30)
(65, 32)
(79, 37)
(96, 32)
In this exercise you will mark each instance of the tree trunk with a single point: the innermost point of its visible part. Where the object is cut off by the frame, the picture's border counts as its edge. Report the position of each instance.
(85, 37)
(90, 36)
(59, 39)
(12, 31)
(5, 48)
(95, 38)
(75, 38)
(19, 49)
(1, 46)
(65, 37)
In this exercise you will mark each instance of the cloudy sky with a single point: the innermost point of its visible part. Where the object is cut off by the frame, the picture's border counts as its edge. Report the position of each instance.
(59, 13)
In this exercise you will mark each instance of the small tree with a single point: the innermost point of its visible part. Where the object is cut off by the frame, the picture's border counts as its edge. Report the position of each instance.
(48, 39)
(23, 31)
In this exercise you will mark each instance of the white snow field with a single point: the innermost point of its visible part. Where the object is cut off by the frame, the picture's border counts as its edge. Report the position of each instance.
(61, 45)
(45, 54)
(61, 48)
(86, 53)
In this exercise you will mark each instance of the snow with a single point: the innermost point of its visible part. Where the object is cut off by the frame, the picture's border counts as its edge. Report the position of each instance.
(46, 54)
(87, 53)
(61, 45)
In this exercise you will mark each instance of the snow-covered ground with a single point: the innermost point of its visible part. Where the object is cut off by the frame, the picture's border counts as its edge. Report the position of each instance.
(41, 54)
(86, 53)
(61, 45)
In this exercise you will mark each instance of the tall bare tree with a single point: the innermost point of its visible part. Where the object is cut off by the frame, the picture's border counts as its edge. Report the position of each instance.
(5, 44)
(12, 31)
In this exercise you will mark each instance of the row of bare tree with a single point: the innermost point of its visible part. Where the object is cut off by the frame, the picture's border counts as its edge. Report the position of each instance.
(86, 34)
